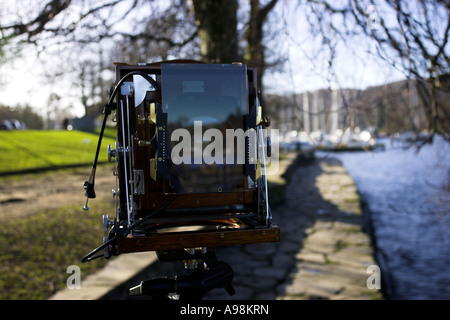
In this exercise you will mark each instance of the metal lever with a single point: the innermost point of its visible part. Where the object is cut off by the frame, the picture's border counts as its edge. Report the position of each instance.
(89, 187)
(85, 207)
(90, 193)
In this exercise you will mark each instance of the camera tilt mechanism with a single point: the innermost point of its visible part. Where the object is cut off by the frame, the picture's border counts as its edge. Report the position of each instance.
(191, 159)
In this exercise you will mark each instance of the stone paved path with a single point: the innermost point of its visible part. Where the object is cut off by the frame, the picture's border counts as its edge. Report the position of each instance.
(323, 253)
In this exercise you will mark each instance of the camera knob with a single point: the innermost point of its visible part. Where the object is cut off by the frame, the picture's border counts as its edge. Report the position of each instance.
(106, 223)
(111, 153)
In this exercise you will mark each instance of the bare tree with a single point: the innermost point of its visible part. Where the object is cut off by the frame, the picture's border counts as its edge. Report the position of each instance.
(169, 25)
(412, 36)
(217, 29)
(255, 35)
(91, 21)
(140, 31)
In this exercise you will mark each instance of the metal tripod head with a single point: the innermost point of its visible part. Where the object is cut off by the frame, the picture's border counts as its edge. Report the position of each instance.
(211, 275)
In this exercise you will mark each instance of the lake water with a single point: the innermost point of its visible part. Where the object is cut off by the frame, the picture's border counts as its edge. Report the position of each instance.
(408, 196)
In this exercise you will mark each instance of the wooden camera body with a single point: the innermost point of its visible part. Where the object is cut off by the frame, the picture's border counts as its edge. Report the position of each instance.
(189, 158)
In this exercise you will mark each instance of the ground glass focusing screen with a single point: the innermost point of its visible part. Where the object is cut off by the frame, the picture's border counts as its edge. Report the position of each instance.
(205, 106)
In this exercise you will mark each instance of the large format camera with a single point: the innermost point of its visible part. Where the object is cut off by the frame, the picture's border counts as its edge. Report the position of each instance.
(191, 157)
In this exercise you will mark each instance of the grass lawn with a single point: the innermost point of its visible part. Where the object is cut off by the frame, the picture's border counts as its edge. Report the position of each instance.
(42, 149)
(35, 251)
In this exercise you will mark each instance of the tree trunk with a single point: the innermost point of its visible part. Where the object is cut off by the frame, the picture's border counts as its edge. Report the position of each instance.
(217, 30)
(255, 47)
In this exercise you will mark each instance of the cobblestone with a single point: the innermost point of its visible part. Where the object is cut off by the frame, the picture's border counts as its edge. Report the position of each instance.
(323, 252)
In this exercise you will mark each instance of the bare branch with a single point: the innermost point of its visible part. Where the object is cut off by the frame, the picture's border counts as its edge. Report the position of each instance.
(37, 25)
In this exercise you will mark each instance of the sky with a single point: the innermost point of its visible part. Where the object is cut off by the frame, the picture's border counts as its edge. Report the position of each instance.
(307, 66)
(22, 79)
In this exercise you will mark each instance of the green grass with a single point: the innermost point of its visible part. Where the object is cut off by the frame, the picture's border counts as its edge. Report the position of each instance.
(35, 251)
(32, 149)
(110, 132)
